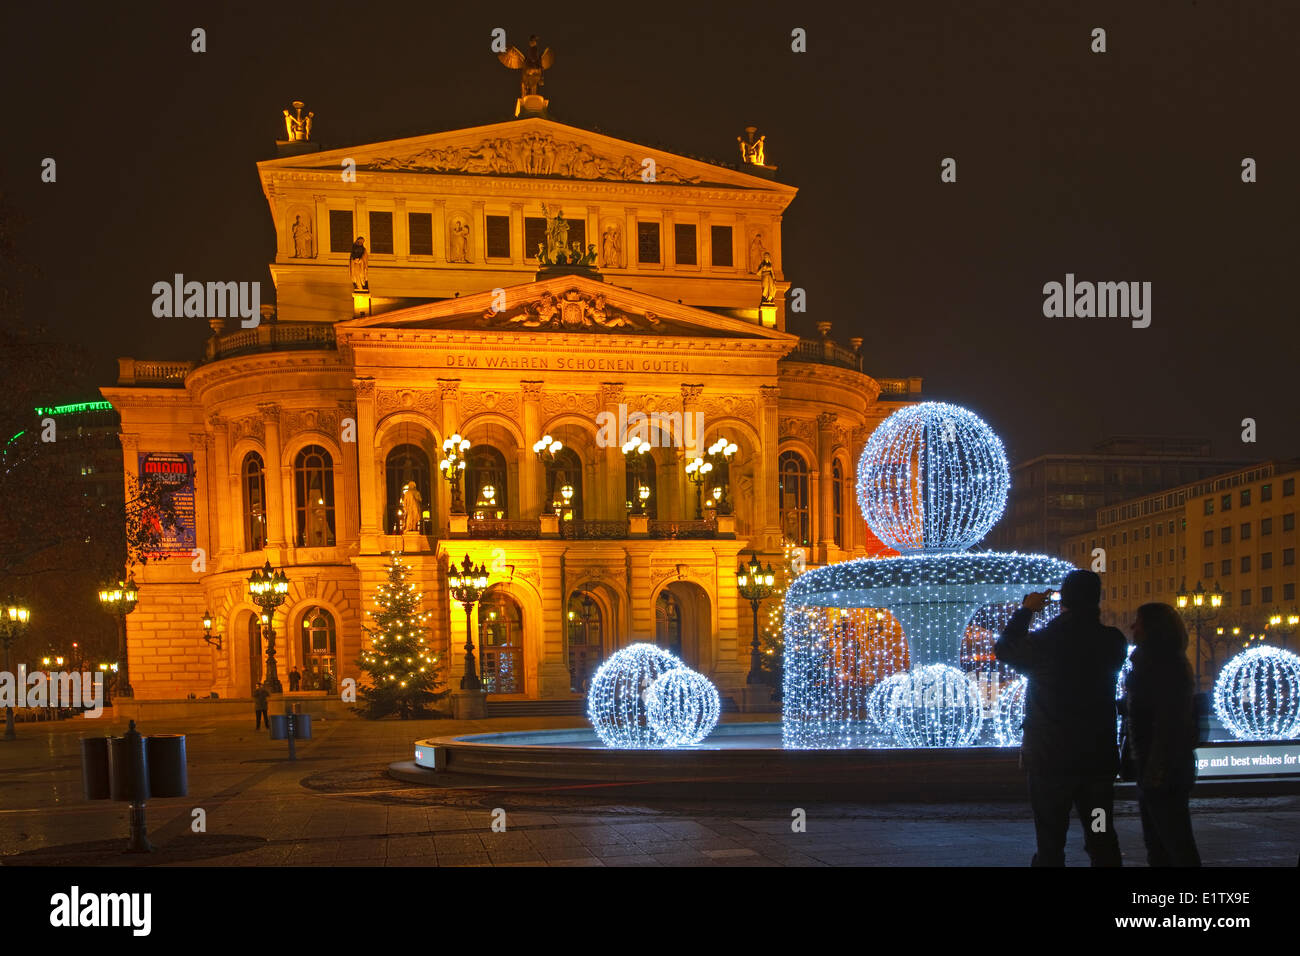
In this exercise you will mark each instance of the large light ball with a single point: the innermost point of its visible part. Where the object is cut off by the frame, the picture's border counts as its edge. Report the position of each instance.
(933, 477)
(682, 707)
(879, 702)
(937, 706)
(1257, 695)
(616, 698)
(1009, 718)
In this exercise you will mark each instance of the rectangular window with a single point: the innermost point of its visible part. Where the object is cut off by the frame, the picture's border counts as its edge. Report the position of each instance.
(1265, 527)
(1146, 562)
(1226, 503)
(1288, 522)
(1146, 587)
(684, 243)
(1245, 531)
(1125, 538)
(498, 237)
(1225, 566)
(1245, 497)
(720, 237)
(1146, 532)
(420, 227)
(1225, 535)
(381, 233)
(1265, 492)
(1160, 557)
(1245, 564)
(1171, 555)
(1209, 539)
(534, 236)
(1288, 591)
(578, 234)
(1160, 530)
(1288, 557)
(1245, 596)
(1266, 595)
(647, 242)
(1208, 570)
(341, 237)
(1209, 506)
(1265, 560)
(1288, 488)
(1171, 527)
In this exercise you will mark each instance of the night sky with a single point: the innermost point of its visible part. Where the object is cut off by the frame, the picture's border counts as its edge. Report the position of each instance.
(1117, 166)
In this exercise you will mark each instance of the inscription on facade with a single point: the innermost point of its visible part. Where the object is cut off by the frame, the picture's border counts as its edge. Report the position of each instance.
(575, 363)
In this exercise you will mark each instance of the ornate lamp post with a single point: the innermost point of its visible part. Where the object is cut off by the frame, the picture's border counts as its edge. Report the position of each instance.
(546, 448)
(467, 584)
(1199, 607)
(268, 589)
(1283, 623)
(208, 636)
(634, 450)
(14, 618)
(754, 584)
(120, 600)
(720, 453)
(696, 469)
(451, 466)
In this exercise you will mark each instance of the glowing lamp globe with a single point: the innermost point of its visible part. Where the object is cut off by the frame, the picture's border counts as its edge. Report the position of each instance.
(932, 478)
(617, 697)
(1257, 695)
(936, 706)
(1009, 718)
(682, 707)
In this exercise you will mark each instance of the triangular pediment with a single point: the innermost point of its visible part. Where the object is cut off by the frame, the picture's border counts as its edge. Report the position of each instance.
(533, 147)
(568, 304)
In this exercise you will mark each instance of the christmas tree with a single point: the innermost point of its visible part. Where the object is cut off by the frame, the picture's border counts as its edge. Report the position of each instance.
(403, 668)
(771, 635)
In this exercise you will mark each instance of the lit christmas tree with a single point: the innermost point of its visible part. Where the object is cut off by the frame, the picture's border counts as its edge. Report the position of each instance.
(403, 668)
(771, 635)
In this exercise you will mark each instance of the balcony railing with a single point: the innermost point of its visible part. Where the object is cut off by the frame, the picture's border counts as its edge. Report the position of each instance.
(825, 352)
(705, 528)
(505, 528)
(142, 372)
(589, 528)
(271, 337)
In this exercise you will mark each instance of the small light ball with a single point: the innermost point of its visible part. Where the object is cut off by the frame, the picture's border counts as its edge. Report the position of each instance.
(682, 707)
(616, 698)
(1257, 695)
(937, 706)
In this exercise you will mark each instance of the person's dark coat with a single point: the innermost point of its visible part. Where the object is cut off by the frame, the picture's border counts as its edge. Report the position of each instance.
(260, 698)
(1162, 724)
(1072, 664)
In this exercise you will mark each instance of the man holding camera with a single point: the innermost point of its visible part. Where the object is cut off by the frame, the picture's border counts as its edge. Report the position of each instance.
(1069, 747)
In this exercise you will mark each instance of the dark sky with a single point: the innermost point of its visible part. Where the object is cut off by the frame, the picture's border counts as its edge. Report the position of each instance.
(1115, 166)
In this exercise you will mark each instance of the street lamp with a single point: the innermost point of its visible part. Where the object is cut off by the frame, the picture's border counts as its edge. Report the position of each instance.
(14, 618)
(754, 584)
(120, 600)
(451, 466)
(634, 452)
(720, 453)
(696, 469)
(467, 584)
(546, 448)
(268, 589)
(208, 636)
(1283, 623)
(1199, 607)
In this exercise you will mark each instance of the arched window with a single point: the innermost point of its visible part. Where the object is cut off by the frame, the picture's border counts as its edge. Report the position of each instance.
(254, 484)
(586, 639)
(792, 490)
(565, 470)
(668, 622)
(485, 483)
(837, 503)
(407, 465)
(319, 647)
(501, 642)
(313, 473)
(642, 475)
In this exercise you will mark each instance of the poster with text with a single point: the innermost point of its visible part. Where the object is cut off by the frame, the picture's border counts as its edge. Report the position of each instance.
(176, 470)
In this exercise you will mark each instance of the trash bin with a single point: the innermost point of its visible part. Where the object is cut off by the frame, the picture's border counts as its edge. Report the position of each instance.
(302, 726)
(128, 768)
(168, 776)
(94, 768)
(279, 727)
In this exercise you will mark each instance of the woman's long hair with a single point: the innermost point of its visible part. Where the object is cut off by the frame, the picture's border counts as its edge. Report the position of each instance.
(1164, 633)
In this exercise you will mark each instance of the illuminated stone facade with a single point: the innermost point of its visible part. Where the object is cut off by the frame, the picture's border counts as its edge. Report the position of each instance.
(306, 430)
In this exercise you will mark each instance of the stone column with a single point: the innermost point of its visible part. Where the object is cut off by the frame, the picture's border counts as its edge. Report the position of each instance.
(767, 504)
(440, 250)
(279, 516)
(630, 257)
(401, 231)
(611, 395)
(204, 493)
(449, 389)
(230, 530)
(530, 493)
(825, 537)
(347, 481)
(517, 251)
(367, 478)
(478, 232)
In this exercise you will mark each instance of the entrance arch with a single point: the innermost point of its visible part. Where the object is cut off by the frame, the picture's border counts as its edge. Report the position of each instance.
(684, 624)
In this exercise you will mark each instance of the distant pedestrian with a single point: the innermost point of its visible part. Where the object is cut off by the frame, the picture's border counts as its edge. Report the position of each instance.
(1069, 747)
(1163, 733)
(309, 679)
(294, 679)
(260, 706)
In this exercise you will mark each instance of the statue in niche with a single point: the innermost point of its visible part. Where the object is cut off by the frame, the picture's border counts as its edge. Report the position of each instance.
(301, 238)
(411, 505)
(767, 280)
(296, 126)
(610, 250)
(756, 252)
(359, 265)
(459, 241)
(532, 66)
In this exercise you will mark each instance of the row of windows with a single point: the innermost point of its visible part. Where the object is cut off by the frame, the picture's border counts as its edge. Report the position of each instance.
(1265, 593)
(1265, 494)
(1265, 529)
(1244, 562)
(497, 233)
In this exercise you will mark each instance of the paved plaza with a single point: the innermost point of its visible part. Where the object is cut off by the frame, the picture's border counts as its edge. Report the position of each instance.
(336, 806)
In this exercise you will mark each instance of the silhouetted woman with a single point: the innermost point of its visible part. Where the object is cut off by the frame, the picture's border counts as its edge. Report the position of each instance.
(1163, 734)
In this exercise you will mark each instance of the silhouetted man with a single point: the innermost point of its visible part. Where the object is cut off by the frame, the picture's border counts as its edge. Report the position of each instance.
(1069, 747)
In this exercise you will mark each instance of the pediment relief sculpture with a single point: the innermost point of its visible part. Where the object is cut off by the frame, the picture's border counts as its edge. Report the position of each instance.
(572, 311)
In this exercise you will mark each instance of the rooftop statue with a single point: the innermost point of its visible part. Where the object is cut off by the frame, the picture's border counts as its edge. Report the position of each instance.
(531, 65)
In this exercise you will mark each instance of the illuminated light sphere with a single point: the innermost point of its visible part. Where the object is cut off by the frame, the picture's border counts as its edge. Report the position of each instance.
(937, 706)
(616, 699)
(879, 701)
(1009, 718)
(933, 477)
(682, 707)
(1257, 695)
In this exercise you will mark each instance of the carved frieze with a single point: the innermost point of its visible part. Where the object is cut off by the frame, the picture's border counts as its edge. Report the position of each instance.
(570, 402)
(311, 420)
(391, 399)
(570, 311)
(250, 426)
(797, 428)
(507, 403)
(730, 406)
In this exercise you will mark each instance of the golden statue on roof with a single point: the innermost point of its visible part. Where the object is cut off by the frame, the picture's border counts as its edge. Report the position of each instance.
(532, 66)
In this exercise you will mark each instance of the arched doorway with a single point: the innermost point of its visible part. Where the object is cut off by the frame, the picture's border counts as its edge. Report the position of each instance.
(319, 649)
(501, 642)
(255, 656)
(684, 624)
(585, 631)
